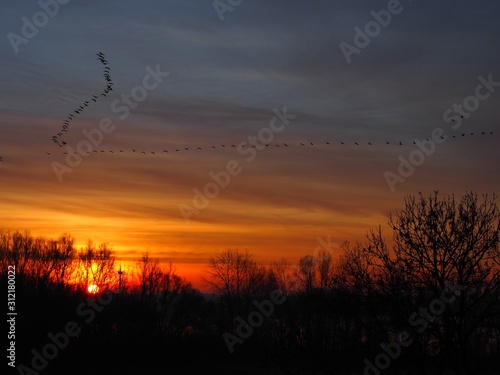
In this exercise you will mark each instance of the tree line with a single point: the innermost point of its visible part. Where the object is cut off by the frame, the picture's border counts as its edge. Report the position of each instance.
(337, 315)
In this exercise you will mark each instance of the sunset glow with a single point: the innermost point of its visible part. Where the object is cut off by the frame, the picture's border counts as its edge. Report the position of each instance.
(321, 176)
(93, 289)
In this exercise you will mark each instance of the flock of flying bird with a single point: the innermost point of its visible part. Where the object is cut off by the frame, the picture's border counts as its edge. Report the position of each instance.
(102, 58)
(277, 145)
(109, 87)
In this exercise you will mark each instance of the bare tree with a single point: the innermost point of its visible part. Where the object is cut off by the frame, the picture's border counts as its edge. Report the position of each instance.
(282, 272)
(96, 266)
(237, 277)
(306, 273)
(324, 264)
(437, 241)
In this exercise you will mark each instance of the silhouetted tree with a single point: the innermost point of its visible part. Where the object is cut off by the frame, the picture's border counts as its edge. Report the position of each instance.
(96, 266)
(437, 241)
(237, 278)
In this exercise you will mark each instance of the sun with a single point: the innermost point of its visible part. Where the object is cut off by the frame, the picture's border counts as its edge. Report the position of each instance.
(93, 289)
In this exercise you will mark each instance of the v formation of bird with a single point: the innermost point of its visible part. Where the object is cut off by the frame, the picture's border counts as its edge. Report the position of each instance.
(275, 146)
(109, 83)
(109, 87)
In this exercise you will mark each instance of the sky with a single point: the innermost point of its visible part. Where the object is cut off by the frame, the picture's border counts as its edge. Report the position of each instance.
(355, 82)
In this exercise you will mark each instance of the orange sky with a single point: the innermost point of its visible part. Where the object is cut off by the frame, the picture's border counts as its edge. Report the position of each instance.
(224, 81)
(272, 208)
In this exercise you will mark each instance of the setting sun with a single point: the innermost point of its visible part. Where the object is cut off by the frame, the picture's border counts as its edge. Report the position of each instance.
(93, 289)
